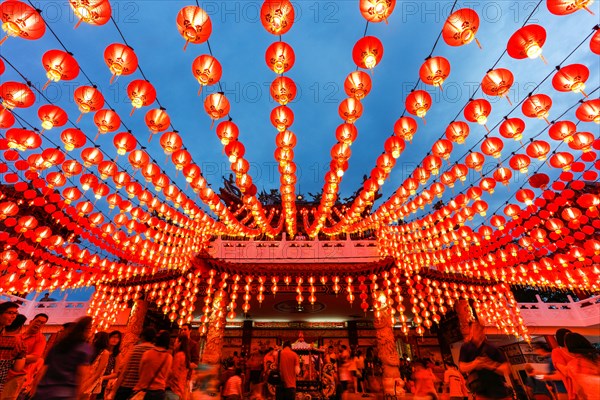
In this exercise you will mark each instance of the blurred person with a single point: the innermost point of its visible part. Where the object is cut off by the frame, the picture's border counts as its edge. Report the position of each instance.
(233, 387)
(360, 371)
(66, 364)
(485, 366)
(289, 366)
(583, 371)
(155, 366)
(454, 383)
(424, 388)
(344, 375)
(180, 370)
(352, 371)
(110, 373)
(128, 375)
(540, 383)
(92, 383)
(194, 347)
(560, 359)
(14, 377)
(35, 346)
(12, 350)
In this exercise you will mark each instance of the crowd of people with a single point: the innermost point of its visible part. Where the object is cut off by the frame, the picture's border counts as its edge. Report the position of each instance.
(84, 365)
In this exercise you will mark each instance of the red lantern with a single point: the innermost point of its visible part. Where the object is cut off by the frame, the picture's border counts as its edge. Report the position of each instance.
(23, 139)
(538, 149)
(461, 27)
(227, 131)
(124, 142)
(280, 57)
(2, 67)
(582, 141)
(367, 52)
(562, 130)
(475, 161)
(283, 90)
(88, 99)
(434, 71)
(52, 116)
(72, 138)
(157, 120)
(93, 12)
(405, 128)
(571, 78)
(138, 159)
(418, 103)
(589, 111)
(520, 162)
(498, 82)
(286, 139)
(539, 181)
(216, 106)
(170, 142)
(207, 70)
(194, 25)
(120, 59)
(595, 43)
(234, 150)
(277, 16)
(107, 169)
(59, 65)
(6, 119)
(478, 111)
(562, 160)
(394, 146)
(350, 110)
(16, 94)
(512, 128)
(377, 10)
(565, 7)
(282, 118)
(442, 148)
(20, 19)
(357, 85)
(106, 121)
(527, 42)
(53, 157)
(71, 168)
(457, 131)
(181, 158)
(537, 106)
(141, 93)
(492, 146)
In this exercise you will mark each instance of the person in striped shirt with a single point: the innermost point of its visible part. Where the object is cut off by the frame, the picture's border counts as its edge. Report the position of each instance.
(130, 373)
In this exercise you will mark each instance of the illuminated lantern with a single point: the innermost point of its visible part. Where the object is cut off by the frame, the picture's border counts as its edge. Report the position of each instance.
(120, 59)
(194, 25)
(282, 118)
(377, 10)
(227, 131)
(107, 169)
(207, 70)
(527, 42)
(52, 116)
(538, 149)
(55, 179)
(138, 159)
(157, 120)
(418, 103)
(350, 110)
(72, 138)
(71, 168)
(106, 121)
(277, 16)
(2, 67)
(216, 106)
(16, 94)
(53, 157)
(565, 7)
(88, 181)
(562, 160)
(434, 71)
(394, 146)
(280, 57)
(283, 90)
(181, 158)
(59, 65)
(93, 12)
(170, 142)
(461, 27)
(357, 85)
(20, 19)
(492, 146)
(512, 211)
(478, 111)
(520, 162)
(480, 207)
(346, 133)
(563, 130)
(589, 201)
(582, 141)
(286, 139)
(6, 119)
(571, 79)
(498, 221)
(512, 128)
(141, 93)
(475, 161)
(457, 131)
(124, 142)
(367, 52)
(442, 148)
(405, 128)
(234, 150)
(23, 139)
(497, 82)
(595, 43)
(88, 99)
(537, 106)
(589, 111)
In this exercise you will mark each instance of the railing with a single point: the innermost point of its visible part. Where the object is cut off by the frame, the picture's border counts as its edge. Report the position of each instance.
(295, 251)
(582, 313)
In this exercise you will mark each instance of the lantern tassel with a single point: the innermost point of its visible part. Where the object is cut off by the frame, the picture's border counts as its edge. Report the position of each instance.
(78, 23)
(546, 119)
(583, 93)
(132, 110)
(486, 128)
(3, 40)
(46, 84)
(97, 136)
(588, 10)
(79, 119)
(113, 78)
(478, 44)
(543, 59)
(150, 137)
(200, 90)
(186, 45)
(509, 102)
